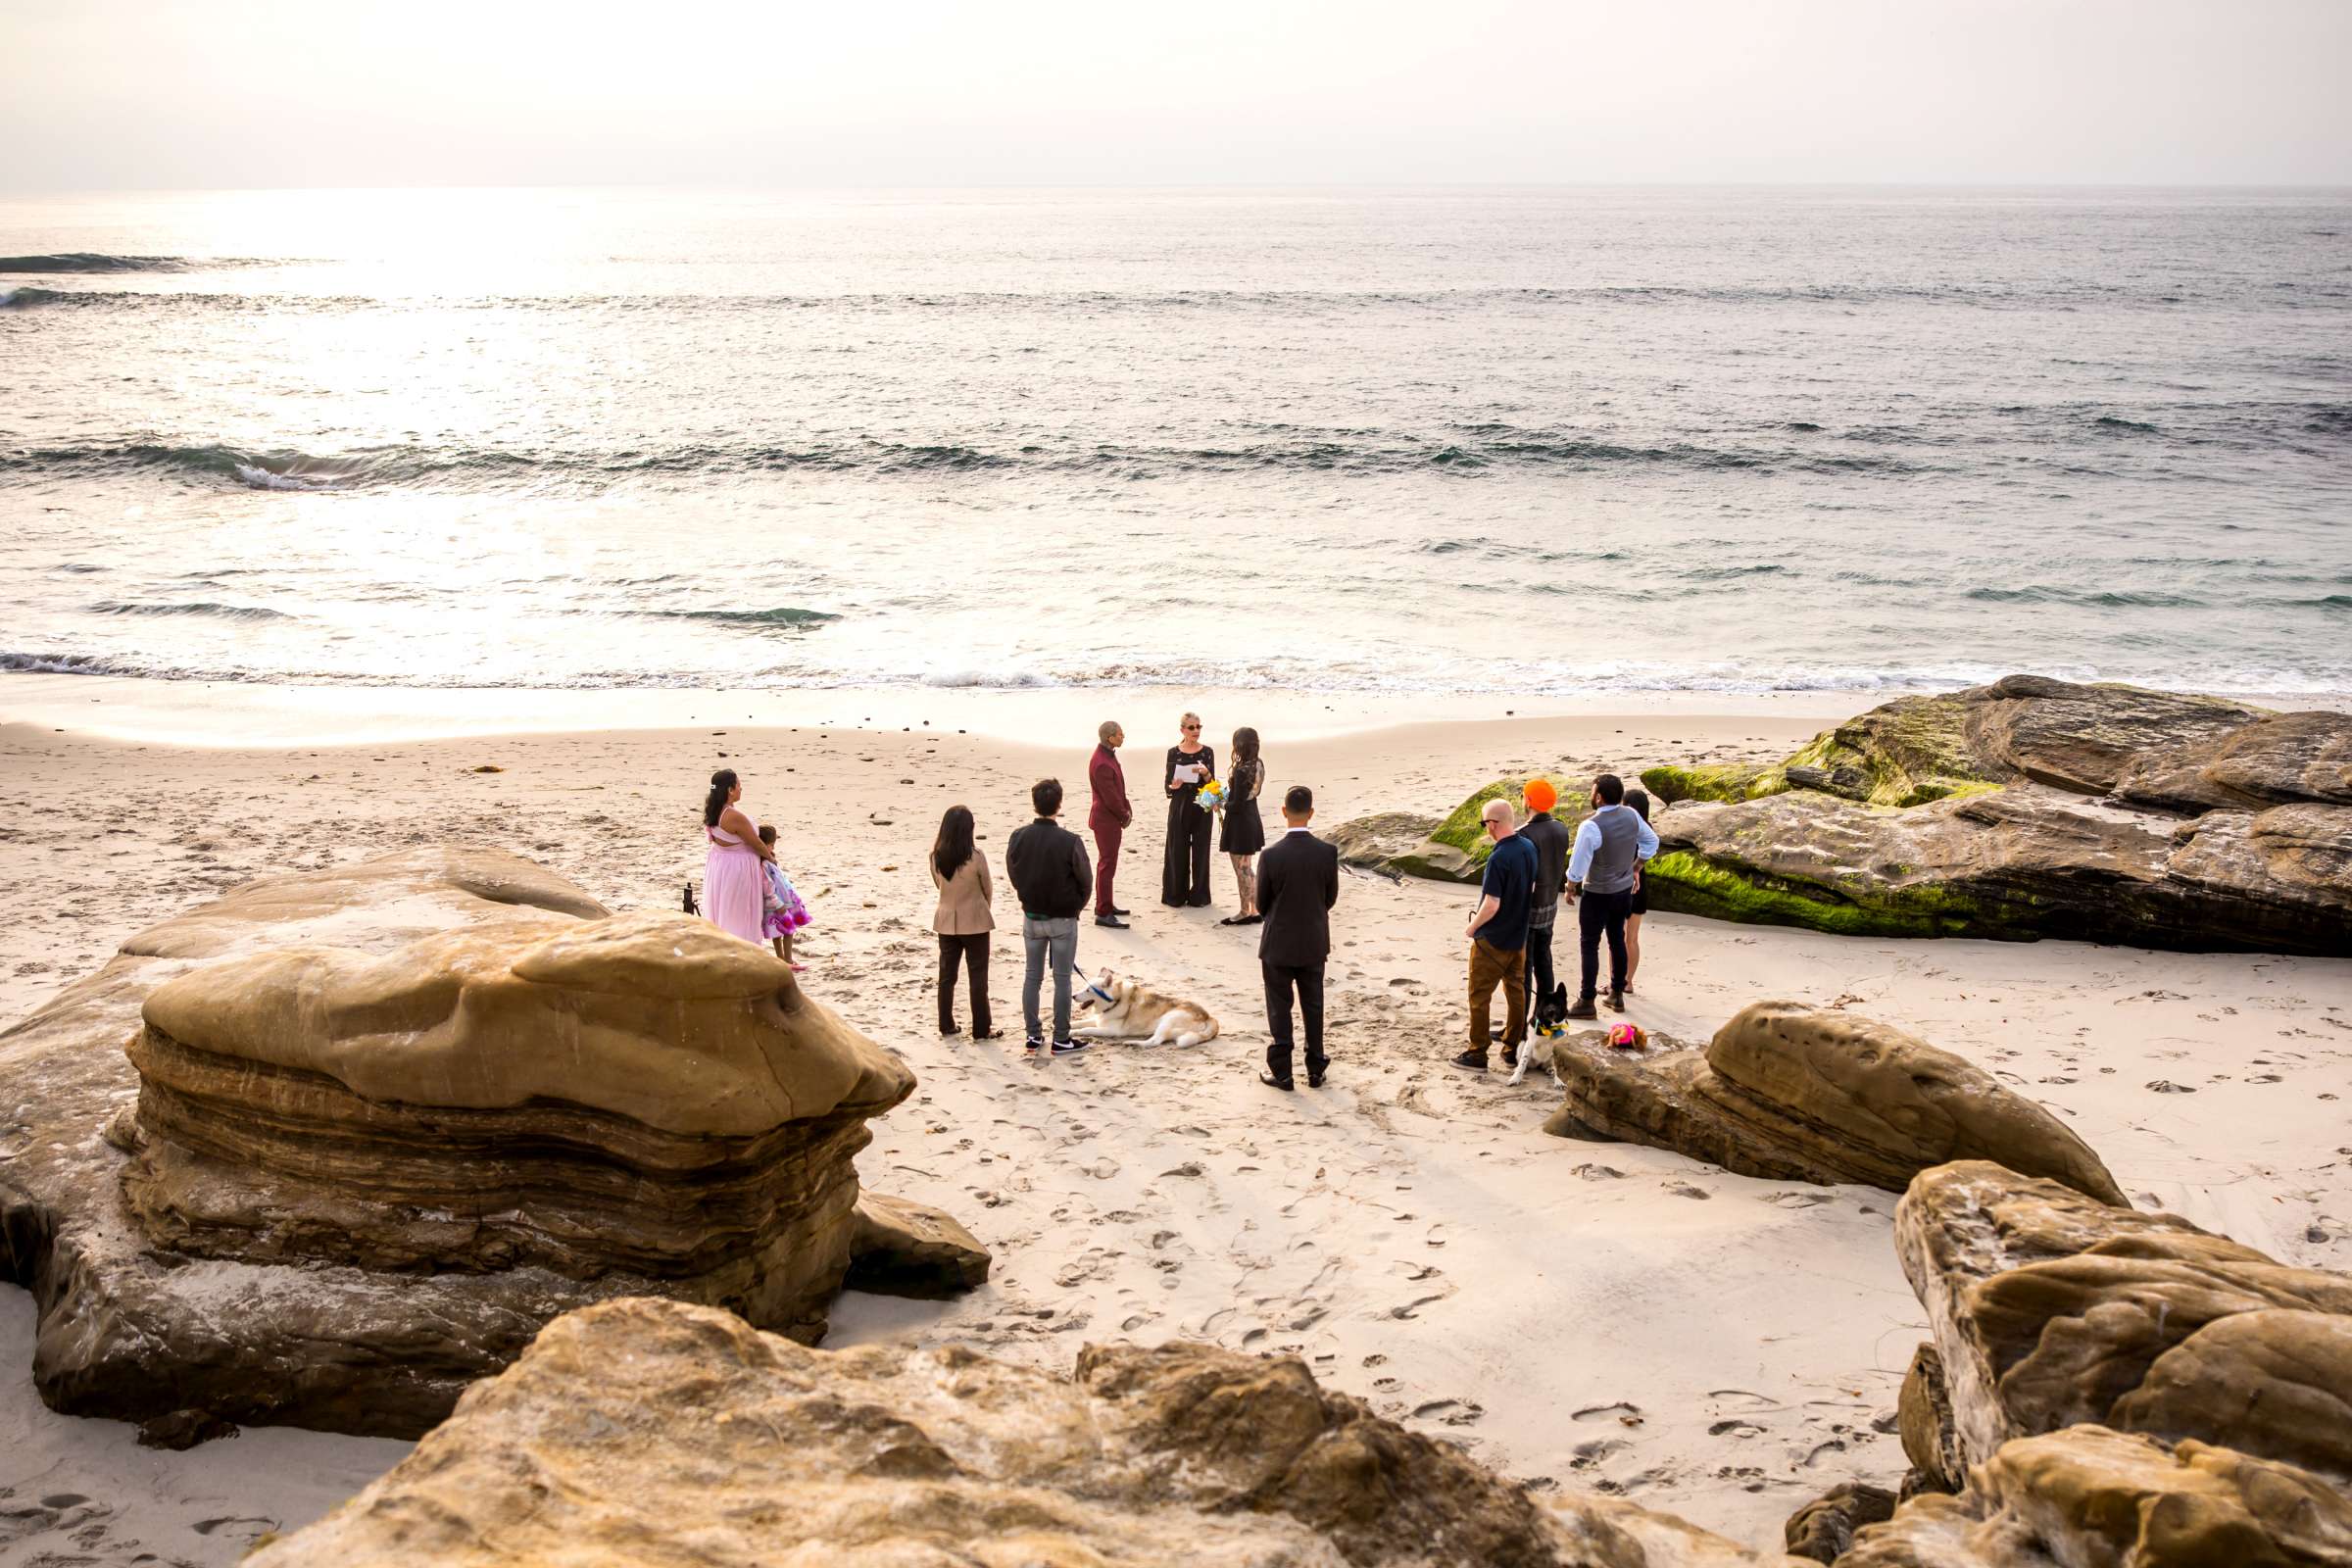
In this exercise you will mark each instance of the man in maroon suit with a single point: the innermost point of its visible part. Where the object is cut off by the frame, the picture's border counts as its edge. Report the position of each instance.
(1108, 816)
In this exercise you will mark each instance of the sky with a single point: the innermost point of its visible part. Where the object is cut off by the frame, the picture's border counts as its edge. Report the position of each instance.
(149, 95)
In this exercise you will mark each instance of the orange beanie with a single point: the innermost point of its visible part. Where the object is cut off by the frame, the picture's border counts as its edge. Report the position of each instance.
(1539, 795)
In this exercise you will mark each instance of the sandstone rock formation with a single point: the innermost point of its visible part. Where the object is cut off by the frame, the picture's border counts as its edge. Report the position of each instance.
(1923, 1414)
(1452, 849)
(1969, 814)
(1787, 1091)
(649, 1434)
(1822, 1530)
(2049, 1310)
(2089, 1497)
(376, 1125)
(903, 1249)
(1386, 841)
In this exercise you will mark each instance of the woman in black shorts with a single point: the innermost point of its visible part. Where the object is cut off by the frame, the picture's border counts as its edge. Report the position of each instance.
(1244, 831)
(1638, 800)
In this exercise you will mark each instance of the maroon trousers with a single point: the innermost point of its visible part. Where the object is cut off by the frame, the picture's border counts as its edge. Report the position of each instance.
(1106, 863)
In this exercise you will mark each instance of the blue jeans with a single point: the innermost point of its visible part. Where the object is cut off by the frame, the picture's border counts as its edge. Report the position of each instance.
(1058, 939)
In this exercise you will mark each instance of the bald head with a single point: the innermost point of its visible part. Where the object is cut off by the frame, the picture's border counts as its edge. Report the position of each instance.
(1497, 814)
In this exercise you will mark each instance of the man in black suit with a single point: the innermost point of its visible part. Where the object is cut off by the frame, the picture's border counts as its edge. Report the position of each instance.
(1297, 883)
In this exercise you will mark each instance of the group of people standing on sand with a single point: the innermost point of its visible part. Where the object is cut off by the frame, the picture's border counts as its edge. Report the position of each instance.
(1189, 772)
(1531, 867)
(1288, 887)
(1054, 879)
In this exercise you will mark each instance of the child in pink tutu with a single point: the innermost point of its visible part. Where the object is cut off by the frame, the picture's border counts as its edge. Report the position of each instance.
(785, 913)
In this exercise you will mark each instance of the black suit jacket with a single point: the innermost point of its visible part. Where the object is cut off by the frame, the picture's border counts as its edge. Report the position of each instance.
(1297, 883)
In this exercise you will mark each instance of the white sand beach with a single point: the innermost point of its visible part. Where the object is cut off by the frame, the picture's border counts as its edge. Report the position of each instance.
(1594, 1317)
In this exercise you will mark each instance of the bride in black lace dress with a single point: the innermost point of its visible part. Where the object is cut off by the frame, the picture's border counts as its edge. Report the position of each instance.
(1244, 831)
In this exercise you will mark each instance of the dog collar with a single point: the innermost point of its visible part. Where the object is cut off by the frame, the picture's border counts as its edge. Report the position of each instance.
(1099, 992)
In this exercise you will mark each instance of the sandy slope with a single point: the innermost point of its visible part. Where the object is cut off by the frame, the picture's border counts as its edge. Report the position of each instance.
(1596, 1316)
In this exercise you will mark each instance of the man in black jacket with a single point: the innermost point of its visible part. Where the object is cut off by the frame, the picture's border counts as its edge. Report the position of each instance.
(1048, 866)
(1297, 883)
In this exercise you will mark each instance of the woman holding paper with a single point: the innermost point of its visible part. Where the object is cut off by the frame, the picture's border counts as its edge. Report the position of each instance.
(1184, 878)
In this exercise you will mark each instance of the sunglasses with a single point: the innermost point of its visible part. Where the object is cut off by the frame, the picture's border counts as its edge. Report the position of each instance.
(1191, 726)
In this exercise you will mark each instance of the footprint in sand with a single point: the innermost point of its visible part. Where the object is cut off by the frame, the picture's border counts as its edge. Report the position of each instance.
(1796, 1199)
(1686, 1190)
(1622, 1412)
(1600, 1173)
(233, 1523)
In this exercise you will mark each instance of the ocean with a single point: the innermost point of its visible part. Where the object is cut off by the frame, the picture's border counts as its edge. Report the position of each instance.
(1550, 442)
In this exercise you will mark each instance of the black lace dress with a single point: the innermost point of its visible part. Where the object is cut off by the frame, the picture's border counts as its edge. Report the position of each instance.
(1244, 831)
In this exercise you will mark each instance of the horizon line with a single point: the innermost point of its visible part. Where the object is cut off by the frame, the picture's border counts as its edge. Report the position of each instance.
(12, 192)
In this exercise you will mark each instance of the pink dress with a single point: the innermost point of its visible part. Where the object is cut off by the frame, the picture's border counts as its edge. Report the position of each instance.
(732, 885)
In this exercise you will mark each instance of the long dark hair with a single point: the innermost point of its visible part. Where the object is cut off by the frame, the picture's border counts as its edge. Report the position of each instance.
(1245, 770)
(953, 846)
(717, 801)
(1638, 800)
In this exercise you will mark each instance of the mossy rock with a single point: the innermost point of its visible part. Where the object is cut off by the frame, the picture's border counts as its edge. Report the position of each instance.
(1680, 882)
(1905, 753)
(1462, 832)
(1727, 781)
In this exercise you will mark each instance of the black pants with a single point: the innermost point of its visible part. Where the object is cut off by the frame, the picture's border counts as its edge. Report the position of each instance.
(1281, 980)
(1599, 915)
(972, 950)
(1539, 978)
(1184, 878)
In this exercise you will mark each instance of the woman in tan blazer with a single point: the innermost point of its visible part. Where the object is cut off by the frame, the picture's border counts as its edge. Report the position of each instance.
(960, 874)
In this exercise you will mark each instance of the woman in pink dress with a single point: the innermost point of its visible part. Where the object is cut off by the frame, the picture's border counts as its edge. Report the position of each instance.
(733, 877)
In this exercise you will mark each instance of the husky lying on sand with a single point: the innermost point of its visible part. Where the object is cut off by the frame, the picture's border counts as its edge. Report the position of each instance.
(1123, 1009)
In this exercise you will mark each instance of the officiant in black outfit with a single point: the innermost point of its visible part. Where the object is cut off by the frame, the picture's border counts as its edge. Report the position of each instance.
(1297, 883)
(1184, 879)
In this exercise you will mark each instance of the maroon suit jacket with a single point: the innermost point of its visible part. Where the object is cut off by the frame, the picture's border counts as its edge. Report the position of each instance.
(1109, 781)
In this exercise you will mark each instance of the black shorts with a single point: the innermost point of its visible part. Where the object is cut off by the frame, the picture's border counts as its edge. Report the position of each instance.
(1640, 899)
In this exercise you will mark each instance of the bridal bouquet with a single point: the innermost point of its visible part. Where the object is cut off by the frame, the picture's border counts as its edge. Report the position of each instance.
(1211, 797)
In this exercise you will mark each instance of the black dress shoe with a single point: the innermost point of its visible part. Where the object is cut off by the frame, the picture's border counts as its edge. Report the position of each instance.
(1116, 910)
(1110, 920)
(1272, 1082)
(1476, 1059)
(1314, 1077)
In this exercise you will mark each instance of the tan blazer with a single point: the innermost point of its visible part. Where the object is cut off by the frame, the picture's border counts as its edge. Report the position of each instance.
(963, 899)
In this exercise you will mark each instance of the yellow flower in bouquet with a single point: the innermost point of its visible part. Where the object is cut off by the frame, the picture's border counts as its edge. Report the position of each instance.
(1211, 797)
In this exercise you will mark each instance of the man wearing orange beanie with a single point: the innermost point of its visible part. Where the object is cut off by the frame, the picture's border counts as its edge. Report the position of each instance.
(1551, 837)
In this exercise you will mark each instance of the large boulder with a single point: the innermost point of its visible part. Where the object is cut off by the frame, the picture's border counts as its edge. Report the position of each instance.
(1967, 813)
(2016, 863)
(649, 1434)
(1456, 847)
(2050, 1309)
(2089, 1497)
(376, 1125)
(1384, 841)
(1787, 1091)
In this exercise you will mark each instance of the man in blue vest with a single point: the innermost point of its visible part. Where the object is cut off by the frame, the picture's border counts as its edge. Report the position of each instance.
(1602, 871)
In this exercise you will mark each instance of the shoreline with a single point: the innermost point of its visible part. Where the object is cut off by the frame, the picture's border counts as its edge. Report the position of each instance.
(227, 714)
(233, 714)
